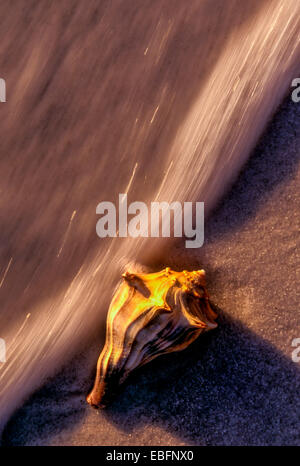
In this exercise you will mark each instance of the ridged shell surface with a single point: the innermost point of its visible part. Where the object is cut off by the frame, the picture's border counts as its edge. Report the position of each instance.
(150, 314)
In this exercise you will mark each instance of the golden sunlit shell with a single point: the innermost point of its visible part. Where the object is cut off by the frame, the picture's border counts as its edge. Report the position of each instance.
(150, 314)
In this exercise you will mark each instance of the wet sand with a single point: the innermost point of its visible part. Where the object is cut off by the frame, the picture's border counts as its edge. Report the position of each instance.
(237, 385)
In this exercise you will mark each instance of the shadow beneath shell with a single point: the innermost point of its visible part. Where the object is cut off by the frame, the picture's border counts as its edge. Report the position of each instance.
(230, 387)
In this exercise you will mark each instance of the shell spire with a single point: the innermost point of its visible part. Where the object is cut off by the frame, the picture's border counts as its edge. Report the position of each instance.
(150, 314)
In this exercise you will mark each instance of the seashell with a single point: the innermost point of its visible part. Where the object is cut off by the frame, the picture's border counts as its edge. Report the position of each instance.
(150, 314)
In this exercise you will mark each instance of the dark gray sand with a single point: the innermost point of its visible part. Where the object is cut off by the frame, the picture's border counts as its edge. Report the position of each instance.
(237, 385)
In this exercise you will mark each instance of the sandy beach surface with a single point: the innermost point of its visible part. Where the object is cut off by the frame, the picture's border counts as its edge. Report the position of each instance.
(237, 385)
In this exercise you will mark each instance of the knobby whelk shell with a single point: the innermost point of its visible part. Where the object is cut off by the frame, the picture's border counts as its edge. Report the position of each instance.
(150, 314)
